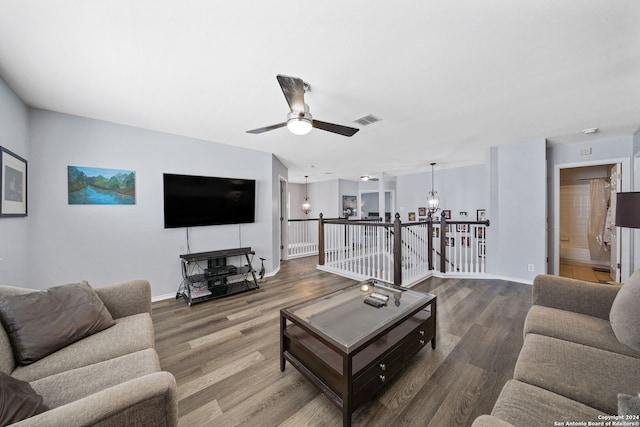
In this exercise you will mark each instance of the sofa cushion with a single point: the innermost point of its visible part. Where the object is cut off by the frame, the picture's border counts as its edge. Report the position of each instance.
(69, 386)
(574, 327)
(588, 375)
(128, 335)
(7, 360)
(40, 323)
(524, 405)
(18, 401)
(625, 316)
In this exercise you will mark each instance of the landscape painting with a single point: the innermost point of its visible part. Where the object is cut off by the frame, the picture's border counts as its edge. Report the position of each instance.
(97, 186)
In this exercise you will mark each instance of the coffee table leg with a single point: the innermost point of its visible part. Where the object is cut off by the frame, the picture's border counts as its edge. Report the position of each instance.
(283, 323)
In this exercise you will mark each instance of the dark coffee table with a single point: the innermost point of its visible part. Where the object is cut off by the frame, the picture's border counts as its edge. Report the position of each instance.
(349, 350)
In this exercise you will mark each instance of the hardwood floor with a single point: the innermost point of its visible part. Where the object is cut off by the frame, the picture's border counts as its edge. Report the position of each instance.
(225, 356)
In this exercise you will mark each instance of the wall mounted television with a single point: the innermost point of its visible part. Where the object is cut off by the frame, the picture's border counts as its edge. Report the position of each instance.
(193, 201)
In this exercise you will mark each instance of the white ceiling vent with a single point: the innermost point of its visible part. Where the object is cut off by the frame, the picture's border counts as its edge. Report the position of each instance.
(367, 120)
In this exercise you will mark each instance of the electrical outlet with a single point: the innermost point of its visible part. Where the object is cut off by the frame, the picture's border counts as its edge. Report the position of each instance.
(530, 267)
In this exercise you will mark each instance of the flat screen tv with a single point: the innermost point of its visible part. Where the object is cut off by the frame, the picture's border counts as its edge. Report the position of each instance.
(193, 201)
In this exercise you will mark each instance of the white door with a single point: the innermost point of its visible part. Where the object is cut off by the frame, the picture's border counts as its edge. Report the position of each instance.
(616, 185)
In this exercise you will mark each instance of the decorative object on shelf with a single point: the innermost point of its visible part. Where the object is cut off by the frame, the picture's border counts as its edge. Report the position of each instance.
(98, 186)
(628, 209)
(13, 184)
(433, 200)
(481, 214)
(306, 205)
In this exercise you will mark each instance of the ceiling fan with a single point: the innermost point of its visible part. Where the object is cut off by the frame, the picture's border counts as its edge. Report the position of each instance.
(299, 120)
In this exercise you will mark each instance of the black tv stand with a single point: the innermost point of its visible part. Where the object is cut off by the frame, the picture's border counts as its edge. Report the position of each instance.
(219, 279)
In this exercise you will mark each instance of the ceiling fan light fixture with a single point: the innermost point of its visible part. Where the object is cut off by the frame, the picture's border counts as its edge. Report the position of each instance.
(299, 123)
(364, 178)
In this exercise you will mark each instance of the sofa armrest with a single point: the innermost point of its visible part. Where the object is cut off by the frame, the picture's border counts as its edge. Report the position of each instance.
(148, 400)
(126, 298)
(490, 421)
(592, 299)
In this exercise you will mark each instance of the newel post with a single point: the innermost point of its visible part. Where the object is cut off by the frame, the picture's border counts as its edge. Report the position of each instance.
(320, 240)
(397, 251)
(443, 243)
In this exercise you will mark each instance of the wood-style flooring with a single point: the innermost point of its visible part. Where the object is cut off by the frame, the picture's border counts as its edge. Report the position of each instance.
(224, 355)
(586, 272)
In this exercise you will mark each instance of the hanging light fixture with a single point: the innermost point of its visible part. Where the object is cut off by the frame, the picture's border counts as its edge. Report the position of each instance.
(432, 201)
(306, 205)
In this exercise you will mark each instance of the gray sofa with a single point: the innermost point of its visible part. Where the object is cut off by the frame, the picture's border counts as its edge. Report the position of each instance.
(581, 350)
(110, 378)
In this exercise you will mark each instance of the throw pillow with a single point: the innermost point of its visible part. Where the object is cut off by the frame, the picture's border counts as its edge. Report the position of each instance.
(628, 405)
(625, 316)
(18, 401)
(39, 323)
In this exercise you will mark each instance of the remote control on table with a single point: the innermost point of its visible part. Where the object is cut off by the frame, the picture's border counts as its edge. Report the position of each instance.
(374, 302)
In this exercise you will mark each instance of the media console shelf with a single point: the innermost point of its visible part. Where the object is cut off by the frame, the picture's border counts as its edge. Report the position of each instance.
(219, 278)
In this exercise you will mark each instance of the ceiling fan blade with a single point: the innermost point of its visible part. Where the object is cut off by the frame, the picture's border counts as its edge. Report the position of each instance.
(331, 127)
(293, 89)
(267, 128)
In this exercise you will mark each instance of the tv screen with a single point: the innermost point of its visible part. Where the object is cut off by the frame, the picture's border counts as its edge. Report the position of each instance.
(193, 201)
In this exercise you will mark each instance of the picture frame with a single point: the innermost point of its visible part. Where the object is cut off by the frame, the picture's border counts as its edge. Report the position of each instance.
(446, 214)
(481, 215)
(480, 232)
(100, 186)
(436, 232)
(349, 206)
(13, 184)
(465, 241)
(482, 249)
(450, 241)
(422, 211)
(412, 216)
(463, 228)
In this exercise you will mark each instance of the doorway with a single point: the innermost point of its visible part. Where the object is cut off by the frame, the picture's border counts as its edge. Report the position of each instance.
(586, 242)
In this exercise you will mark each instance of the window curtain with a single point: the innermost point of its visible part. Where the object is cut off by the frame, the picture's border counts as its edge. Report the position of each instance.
(599, 206)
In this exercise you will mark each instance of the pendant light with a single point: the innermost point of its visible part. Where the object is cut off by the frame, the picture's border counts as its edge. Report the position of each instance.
(432, 201)
(306, 205)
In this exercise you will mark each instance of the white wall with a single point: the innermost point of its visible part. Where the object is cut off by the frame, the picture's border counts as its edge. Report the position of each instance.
(322, 195)
(14, 232)
(459, 189)
(516, 237)
(107, 243)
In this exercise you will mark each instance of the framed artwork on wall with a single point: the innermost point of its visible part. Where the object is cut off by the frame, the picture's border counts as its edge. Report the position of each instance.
(482, 215)
(422, 211)
(464, 228)
(349, 205)
(482, 249)
(98, 186)
(446, 214)
(13, 184)
(412, 216)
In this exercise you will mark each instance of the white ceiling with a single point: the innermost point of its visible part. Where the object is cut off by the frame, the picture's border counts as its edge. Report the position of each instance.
(448, 79)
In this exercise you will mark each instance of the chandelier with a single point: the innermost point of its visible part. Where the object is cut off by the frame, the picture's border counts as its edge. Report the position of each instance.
(306, 205)
(432, 201)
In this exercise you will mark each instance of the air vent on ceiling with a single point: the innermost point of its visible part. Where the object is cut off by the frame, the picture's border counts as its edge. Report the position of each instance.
(367, 120)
